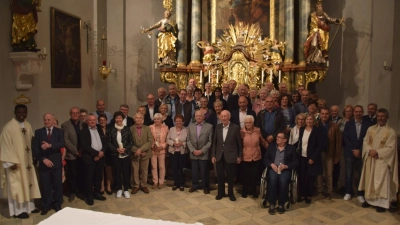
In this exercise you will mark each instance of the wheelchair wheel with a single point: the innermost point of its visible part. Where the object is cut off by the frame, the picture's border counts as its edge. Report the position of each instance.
(263, 184)
(287, 205)
(264, 203)
(294, 187)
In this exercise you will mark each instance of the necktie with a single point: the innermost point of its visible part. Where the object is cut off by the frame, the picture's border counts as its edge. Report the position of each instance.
(48, 135)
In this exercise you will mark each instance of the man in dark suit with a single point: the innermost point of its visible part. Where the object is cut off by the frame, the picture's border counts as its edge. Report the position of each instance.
(238, 115)
(226, 153)
(183, 107)
(161, 96)
(171, 98)
(371, 116)
(128, 121)
(335, 114)
(353, 136)
(93, 148)
(151, 109)
(281, 159)
(46, 148)
(199, 141)
(233, 101)
(270, 121)
(226, 95)
(72, 129)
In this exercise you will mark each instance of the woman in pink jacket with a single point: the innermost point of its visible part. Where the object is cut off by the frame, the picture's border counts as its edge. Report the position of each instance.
(160, 132)
(252, 139)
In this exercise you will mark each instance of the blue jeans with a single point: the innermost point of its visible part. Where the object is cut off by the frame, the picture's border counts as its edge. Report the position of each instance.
(278, 182)
(200, 170)
(351, 165)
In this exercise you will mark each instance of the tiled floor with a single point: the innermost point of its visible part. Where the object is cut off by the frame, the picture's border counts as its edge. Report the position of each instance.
(166, 204)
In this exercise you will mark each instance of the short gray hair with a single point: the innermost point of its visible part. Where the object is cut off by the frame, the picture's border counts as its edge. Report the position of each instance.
(249, 117)
(157, 116)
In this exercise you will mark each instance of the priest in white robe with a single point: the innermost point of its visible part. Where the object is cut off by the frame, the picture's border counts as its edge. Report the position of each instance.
(20, 183)
(379, 176)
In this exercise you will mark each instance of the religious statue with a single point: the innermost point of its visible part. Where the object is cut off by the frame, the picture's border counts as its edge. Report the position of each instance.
(277, 51)
(208, 51)
(166, 38)
(24, 26)
(316, 46)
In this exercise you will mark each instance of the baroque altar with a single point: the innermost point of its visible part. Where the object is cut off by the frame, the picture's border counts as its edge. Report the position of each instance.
(250, 41)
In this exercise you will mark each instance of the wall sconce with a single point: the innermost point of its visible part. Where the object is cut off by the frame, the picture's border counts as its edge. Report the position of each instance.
(386, 67)
(42, 55)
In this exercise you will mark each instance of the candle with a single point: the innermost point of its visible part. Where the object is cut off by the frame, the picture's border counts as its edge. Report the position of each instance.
(155, 66)
(327, 63)
(157, 144)
(262, 77)
(44, 50)
(110, 66)
(270, 75)
(104, 62)
(279, 80)
(177, 140)
(201, 76)
(209, 76)
(217, 76)
(384, 64)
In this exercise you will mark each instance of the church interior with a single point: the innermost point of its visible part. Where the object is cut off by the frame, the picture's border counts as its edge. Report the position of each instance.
(104, 49)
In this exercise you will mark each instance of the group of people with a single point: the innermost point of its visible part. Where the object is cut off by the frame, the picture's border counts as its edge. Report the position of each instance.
(240, 131)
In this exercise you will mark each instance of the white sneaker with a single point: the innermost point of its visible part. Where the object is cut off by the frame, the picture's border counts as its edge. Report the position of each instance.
(361, 199)
(347, 197)
(126, 194)
(119, 193)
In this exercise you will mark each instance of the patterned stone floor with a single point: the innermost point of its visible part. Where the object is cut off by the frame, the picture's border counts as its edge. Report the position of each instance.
(166, 204)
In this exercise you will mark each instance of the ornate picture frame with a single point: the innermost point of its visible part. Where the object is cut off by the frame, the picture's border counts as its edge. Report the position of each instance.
(65, 37)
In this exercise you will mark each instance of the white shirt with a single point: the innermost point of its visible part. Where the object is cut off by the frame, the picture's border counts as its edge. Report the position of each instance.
(151, 110)
(242, 115)
(225, 130)
(304, 143)
(125, 120)
(294, 135)
(96, 141)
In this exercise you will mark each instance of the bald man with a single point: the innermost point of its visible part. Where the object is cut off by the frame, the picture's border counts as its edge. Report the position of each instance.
(101, 107)
(192, 82)
(269, 86)
(151, 109)
(335, 114)
(238, 115)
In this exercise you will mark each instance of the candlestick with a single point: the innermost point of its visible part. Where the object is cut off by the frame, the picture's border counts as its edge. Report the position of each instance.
(279, 79)
(270, 75)
(262, 77)
(209, 76)
(217, 77)
(201, 76)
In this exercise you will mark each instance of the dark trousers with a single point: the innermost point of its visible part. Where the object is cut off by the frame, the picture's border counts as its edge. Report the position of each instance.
(122, 167)
(306, 182)
(178, 163)
(249, 175)
(278, 182)
(51, 181)
(200, 169)
(336, 175)
(72, 169)
(351, 165)
(229, 169)
(93, 175)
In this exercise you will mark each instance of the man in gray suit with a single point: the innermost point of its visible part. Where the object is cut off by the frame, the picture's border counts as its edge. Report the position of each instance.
(199, 140)
(72, 129)
(226, 153)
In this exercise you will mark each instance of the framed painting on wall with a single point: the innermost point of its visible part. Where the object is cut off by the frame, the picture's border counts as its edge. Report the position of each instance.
(65, 32)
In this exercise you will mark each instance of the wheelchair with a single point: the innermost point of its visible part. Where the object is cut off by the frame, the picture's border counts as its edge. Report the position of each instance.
(293, 185)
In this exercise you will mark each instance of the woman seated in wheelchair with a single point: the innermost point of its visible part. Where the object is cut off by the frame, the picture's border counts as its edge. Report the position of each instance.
(281, 159)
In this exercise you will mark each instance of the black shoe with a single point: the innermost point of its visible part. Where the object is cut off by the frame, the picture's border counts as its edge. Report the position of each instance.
(328, 196)
(23, 215)
(300, 199)
(365, 205)
(280, 209)
(192, 190)
(89, 200)
(255, 195)
(99, 197)
(44, 212)
(35, 211)
(218, 197)
(244, 195)
(232, 198)
(101, 192)
(71, 197)
(174, 188)
(182, 188)
(206, 191)
(380, 210)
(308, 200)
(271, 210)
(109, 192)
(58, 208)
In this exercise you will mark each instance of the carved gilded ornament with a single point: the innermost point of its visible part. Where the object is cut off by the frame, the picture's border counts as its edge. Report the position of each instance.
(315, 76)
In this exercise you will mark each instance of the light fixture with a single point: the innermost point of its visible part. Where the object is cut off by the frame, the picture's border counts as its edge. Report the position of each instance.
(42, 55)
(104, 72)
(386, 67)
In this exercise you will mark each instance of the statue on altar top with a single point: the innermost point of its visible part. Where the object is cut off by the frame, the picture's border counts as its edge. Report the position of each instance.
(277, 51)
(24, 26)
(316, 46)
(208, 51)
(166, 39)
